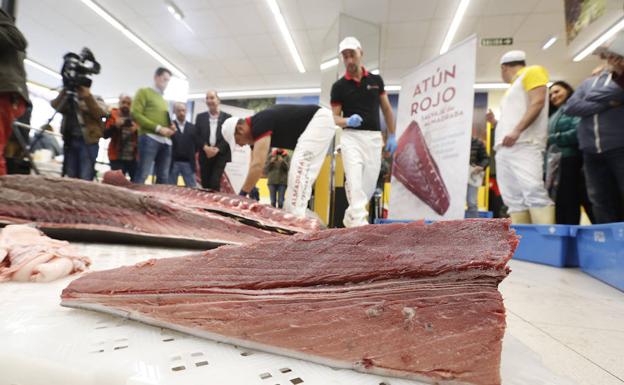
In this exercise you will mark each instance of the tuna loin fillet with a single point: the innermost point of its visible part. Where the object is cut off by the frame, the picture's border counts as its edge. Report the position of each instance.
(62, 206)
(406, 300)
(416, 169)
(232, 205)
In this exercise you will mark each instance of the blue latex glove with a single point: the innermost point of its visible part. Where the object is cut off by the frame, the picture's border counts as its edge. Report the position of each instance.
(391, 143)
(354, 120)
(243, 193)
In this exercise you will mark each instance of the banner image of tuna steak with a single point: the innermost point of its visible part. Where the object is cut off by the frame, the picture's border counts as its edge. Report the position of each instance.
(416, 169)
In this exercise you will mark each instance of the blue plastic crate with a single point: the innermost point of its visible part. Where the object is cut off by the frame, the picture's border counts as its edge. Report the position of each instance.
(483, 214)
(383, 221)
(601, 252)
(546, 244)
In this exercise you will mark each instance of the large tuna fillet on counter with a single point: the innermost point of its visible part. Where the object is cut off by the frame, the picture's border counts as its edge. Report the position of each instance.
(407, 300)
(244, 209)
(70, 208)
(415, 168)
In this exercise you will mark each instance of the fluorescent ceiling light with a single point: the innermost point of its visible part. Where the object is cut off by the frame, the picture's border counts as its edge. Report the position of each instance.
(40, 90)
(601, 40)
(450, 34)
(329, 64)
(111, 100)
(177, 89)
(281, 23)
(392, 88)
(132, 37)
(253, 93)
(42, 68)
(375, 71)
(550, 42)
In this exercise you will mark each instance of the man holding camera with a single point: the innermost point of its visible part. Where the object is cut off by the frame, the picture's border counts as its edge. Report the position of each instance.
(122, 130)
(151, 112)
(13, 91)
(82, 128)
(276, 171)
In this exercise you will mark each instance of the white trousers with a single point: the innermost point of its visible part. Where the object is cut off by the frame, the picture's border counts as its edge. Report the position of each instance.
(519, 173)
(307, 160)
(361, 159)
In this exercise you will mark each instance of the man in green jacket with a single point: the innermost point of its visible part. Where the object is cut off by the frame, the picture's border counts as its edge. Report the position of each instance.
(151, 111)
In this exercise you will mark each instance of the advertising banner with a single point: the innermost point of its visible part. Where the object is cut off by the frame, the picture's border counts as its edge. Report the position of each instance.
(434, 127)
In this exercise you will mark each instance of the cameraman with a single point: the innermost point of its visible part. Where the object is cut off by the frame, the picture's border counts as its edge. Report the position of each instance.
(122, 129)
(277, 176)
(13, 91)
(81, 130)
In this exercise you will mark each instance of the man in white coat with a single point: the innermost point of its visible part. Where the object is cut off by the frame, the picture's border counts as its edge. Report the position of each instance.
(520, 141)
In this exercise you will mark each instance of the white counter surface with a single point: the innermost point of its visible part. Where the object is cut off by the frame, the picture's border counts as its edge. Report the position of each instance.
(556, 332)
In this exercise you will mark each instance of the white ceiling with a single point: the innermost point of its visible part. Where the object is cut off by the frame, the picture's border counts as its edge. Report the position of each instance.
(236, 45)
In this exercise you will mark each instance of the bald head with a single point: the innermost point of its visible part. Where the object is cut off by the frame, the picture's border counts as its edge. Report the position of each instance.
(125, 101)
(213, 101)
(179, 109)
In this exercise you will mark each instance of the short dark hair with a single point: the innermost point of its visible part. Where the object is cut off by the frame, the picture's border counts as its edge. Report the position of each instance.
(515, 63)
(162, 70)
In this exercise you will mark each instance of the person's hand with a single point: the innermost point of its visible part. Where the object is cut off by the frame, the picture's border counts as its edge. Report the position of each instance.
(490, 118)
(477, 169)
(354, 120)
(210, 151)
(391, 143)
(511, 138)
(167, 131)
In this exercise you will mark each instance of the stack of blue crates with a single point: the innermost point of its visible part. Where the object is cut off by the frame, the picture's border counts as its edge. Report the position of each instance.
(552, 245)
(601, 252)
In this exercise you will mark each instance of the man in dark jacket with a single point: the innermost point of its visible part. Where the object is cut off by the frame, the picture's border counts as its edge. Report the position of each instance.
(479, 160)
(13, 91)
(184, 143)
(214, 152)
(598, 101)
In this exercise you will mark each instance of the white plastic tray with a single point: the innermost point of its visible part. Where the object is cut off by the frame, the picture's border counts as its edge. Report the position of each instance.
(44, 343)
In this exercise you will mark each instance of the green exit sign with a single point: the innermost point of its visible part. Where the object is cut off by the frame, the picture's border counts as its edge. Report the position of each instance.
(496, 41)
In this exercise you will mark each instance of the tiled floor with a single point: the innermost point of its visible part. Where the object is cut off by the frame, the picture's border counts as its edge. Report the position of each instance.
(575, 322)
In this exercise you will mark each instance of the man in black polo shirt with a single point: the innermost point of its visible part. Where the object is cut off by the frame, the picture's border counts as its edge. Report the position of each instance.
(306, 129)
(356, 99)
